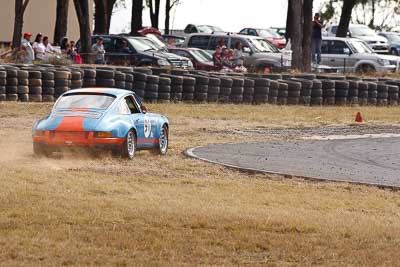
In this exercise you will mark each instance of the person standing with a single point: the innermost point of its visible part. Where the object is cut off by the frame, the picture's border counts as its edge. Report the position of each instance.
(98, 50)
(26, 47)
(238, 57)
(317, 39)
(39, 48)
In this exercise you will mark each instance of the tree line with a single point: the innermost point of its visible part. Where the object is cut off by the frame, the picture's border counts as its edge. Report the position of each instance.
(298, 24)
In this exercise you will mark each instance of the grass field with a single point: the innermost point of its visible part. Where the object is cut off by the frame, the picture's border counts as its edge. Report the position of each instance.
(171, 210)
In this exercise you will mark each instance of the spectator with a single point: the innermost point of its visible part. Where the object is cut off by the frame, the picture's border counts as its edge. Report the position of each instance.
(226, 58)
(98, 50)
(317, 39)
(125, 47)
(217, 59)
(238, 57)
(39, 48)
(26, 47)
(49, 48)
(65, 47)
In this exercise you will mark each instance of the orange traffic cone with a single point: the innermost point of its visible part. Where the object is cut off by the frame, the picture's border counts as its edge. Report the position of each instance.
(359, 117)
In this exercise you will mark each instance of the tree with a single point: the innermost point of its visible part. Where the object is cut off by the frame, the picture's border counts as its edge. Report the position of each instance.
(61, 21)
(169, 4)
(296, 21)
(102, 15)
(20, 7)
(82, 11)
(345, 17)
(154, 12)
(137, 14)
(307, 34)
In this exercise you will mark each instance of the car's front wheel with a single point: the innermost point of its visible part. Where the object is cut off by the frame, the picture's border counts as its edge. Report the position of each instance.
(163, 141)
(129, 146)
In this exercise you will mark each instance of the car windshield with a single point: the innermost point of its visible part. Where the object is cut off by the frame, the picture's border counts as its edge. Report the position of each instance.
(394, 37)
(201, 56)
(157, 42)
(262, 46)
(85, 101)
(268, 34)
(142, 44)
(362, 31)
(360, 47)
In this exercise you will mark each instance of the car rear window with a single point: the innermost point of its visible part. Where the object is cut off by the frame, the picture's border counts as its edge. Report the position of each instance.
(85, 101)
(199, 41)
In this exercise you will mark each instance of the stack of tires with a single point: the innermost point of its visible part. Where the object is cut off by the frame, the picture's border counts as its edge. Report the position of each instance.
(35, 86)
(372, 93)
(151, 91)
(261, 90)
(176, 87)
(139, 83)
(23, 88)
(362, 93)
(129, 81)
(201, 89)
(213, 89)
(342, 92)
(248, 91)
(294, 92)
(164, 90)
(188, 88)
(76, 79)
(282, 93)
(225, 89)
(383, 94)
(61, 82)
(393, 89)
(119, 78)
(237, 91)
(89, 77)
(3, 82)
(317, 93)
(48, 86)
(105, 78)
(328, 89)
(306, 89)
(12, 84)
(352, 97)
(273, 92)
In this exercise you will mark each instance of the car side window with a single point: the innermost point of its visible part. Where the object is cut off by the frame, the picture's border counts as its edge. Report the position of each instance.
(108, 44)
(217, 41)
(199, 41)
(123, 108)
(337, 47)
(182, 53)
(131, 105)
(235, 40)
(252, 32)
(325, 47)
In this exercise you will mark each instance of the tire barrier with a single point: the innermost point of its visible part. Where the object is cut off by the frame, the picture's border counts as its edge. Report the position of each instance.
(37, 83)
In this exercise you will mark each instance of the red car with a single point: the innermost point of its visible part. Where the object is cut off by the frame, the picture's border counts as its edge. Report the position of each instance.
(201, 59)
(267, 34)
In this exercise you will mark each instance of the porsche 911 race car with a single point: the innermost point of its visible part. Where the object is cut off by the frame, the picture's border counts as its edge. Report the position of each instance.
(101, 119)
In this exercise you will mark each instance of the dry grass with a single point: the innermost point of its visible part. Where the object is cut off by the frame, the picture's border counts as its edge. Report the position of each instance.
(176, 211)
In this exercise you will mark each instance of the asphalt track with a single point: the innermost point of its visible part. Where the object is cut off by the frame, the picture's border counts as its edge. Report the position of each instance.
(374, 161)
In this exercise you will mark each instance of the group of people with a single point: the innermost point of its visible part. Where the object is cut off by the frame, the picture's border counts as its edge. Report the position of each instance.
(42, 50)
(228, 59)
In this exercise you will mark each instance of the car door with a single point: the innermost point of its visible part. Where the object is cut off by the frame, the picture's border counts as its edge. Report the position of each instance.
(342, 54)
(149, 130)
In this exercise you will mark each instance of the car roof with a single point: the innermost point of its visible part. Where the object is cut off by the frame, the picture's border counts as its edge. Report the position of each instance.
(226, 35)
(340, 39)
(97, 90)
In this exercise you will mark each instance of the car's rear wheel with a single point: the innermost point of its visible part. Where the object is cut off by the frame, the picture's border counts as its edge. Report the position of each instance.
(129, 146)
(40, 150)
(163, 141)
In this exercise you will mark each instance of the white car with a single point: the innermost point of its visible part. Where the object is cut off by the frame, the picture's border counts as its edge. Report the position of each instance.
(378, 43)
(354, 55)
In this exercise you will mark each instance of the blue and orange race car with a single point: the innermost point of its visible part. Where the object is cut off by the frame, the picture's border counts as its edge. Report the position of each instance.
(100, 119)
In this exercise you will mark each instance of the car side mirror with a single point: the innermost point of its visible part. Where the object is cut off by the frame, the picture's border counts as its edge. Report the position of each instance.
(348, 34)
(346, 51)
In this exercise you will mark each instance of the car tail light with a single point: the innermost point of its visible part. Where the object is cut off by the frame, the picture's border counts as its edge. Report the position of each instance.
(103, 134)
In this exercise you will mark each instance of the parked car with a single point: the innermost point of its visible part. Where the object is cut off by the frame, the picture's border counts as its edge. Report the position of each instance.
(280, 30)
(354, 55)
(140, 52)
(394, 42)
(173, 40)
(259, 53)
(100, 119)
(201, 59)
(378, 43)
(268, 34)
(191, 28)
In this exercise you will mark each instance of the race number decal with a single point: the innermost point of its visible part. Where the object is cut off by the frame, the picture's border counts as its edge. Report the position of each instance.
(147, 127)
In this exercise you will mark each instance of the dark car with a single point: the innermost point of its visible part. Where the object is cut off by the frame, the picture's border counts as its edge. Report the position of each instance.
(394, 42)
(138, 51)
(201, 59)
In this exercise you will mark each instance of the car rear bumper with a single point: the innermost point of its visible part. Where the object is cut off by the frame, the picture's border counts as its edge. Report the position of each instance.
(81, 139)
